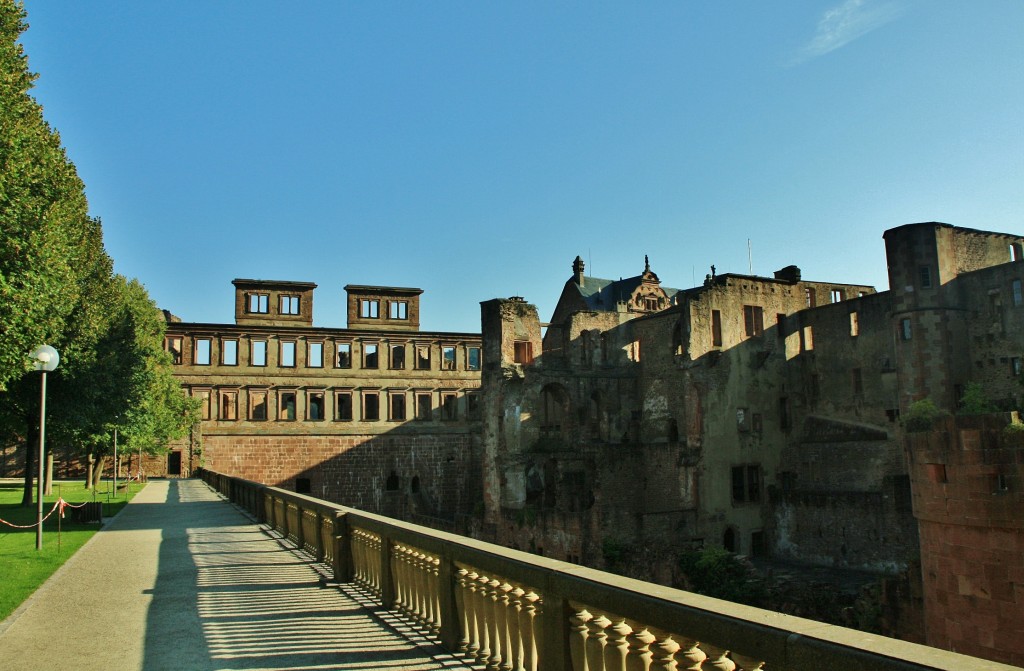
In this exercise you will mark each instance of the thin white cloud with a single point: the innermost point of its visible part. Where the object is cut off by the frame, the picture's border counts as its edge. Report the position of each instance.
(844, 23)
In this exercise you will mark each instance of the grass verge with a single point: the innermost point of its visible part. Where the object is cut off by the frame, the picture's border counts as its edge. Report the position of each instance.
(23, 567)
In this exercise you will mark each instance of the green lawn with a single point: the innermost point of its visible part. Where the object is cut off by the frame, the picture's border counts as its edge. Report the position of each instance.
(24, 568)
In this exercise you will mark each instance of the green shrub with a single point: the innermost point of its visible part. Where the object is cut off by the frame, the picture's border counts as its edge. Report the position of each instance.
(717, 572)
(921, 416)
(974, 401)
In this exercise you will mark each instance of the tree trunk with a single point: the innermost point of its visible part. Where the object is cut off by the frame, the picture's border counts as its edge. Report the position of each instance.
(48, 487)
(31, 448)
(88, 472)
(97, 470)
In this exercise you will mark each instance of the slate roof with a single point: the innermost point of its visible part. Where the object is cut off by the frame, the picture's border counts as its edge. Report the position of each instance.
(602, 294)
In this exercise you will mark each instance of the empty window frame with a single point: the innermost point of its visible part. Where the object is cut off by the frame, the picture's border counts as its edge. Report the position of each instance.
(343, 406)
(925, 273)
(854, 324)
(472, 405)
(838, 295)
(287, 354)
(286, 406)
(716, 328)
(746, 483)
(204, 402)
(315, 405)
(229, 352)
(1018, 298)
(473, 358)
(258, 352)
(371, 406)
(371, 355)
(343, 355)
(422, 357)
(448, 357)
(228, 406)
(396, 406)
(203, 347)
(369, 308)
(288, 305)
(807, 339)
(258, 304)
(522, 351)
(424, 405)
(1015, 365)
(397, 356)
(258, 404)
(1016, 251)
(314, 355)
(173, 345)
(810, 297)
(449, 406)
(753, 320)
(905, 329)
(398, 310)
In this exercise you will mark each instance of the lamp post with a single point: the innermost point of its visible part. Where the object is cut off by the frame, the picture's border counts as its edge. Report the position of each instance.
(44, 359)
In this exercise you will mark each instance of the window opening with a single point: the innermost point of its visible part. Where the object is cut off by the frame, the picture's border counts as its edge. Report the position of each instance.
(746, 483)
(522, 351)
(472, 406)
(369, 308)
(837, 295)
(257, 405)
(229, 405)
(1017, 297)
(424, 406)
(303, 486)
(858, 382)
(1016, 251)
(229, 352)
(370, 358)
(807, 338)
(926, 277)
(315, 406)
(716, 328)
(854, 325)
(398, 357)
(371, 406)
(473, 358)
(905, 331)
(343, 406)
(174, 347)
(204, 402)
(397, 406)
(398, 310)
(287, 353)
(203, 347)
(289, 305)
(259, 303)
(449, 408)
(286, 406)
(258, 352)
(810, 297)
(753, 320)
(344, 356)
(422, 357)
(315, 355)
(392, 483)
(447, 358)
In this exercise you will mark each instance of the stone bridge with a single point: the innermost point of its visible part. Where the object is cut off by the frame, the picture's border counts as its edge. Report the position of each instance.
(182, 579)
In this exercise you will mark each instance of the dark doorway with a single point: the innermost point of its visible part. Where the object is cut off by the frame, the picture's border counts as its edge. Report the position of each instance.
(174, 464)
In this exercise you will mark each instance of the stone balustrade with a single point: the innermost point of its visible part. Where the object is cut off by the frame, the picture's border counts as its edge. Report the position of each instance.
(507, 610)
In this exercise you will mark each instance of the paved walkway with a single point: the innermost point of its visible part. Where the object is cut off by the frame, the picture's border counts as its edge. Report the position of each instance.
(182, 580)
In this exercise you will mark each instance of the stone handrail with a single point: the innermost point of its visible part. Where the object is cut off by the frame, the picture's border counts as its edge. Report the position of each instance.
(510, 610)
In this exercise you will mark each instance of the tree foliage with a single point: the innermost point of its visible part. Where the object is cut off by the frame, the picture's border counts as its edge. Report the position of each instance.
(57, 286)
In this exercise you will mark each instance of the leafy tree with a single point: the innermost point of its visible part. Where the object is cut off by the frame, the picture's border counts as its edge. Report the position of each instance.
(44, 223)
(974, 401)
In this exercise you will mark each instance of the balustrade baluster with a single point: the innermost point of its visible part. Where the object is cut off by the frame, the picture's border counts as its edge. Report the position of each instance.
(639, 656)
(578, 639)
(747, 663)
(718, 659)
(528, 630)
(472, 615)
(515, 610)
(420, 566)
(434, 580)
(616, 647)
(663, 652)
(460, 609)
(494, 618)
(484, 619)
(505, 625)
(596, 637)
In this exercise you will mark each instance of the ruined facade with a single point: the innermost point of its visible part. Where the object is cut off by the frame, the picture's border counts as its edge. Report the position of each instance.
(758, 414)
(378, 415)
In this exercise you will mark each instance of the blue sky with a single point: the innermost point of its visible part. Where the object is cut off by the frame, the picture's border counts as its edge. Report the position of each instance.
(475, 148)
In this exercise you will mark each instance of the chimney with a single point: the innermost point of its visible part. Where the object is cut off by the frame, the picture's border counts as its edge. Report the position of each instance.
(577, 271)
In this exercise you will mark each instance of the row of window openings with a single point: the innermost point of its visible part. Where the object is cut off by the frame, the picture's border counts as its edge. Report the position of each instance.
(260, 304)
(753, 325)
(423, 409)
(315, 354)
